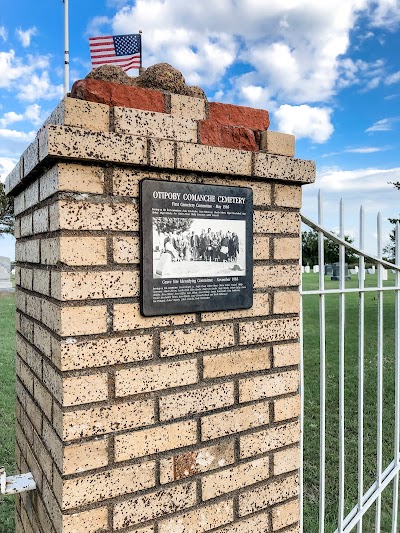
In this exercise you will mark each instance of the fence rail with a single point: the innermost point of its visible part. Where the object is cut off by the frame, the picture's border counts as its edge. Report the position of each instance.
(383, 476)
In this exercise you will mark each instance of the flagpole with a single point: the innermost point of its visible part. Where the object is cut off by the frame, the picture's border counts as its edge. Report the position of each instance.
(141, 69)
(66, 49)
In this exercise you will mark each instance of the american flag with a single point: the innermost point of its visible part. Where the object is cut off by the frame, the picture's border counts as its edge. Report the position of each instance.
(121, 50)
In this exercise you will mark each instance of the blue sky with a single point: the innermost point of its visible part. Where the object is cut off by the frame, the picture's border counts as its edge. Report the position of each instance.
(328, 71)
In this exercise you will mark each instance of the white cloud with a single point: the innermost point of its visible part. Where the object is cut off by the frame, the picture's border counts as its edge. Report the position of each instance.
(385, 124)
(305, 121)
(385, 13)
(25, 36)
(293, 46)
(6, 166)
(393, 78)
(365, 150)
(39, 86)
(32, 113)
(18, 135)
(3, 33)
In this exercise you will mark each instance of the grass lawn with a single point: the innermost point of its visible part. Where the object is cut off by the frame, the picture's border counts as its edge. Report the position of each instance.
(7, 402)
(311, 404)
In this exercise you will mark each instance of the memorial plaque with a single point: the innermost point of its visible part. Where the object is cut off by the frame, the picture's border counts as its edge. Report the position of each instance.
(197, 247)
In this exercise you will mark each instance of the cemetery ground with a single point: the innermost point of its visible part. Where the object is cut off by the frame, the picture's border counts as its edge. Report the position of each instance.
(311, 438)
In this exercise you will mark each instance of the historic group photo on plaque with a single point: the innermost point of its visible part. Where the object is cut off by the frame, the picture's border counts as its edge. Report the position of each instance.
(197, 247)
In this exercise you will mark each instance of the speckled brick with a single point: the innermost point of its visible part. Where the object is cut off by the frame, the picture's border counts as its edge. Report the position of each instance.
(258, 387)
(203, 519)
(74, 354)
(74, 251)
(126, 250)
(269, 330)
(276, 222)
(188, 107)
(28, 251)
(41, 220)
(30, 157)
(153, 505)
(89, 216)
(261, 190)
(26, 280)
(88, 521)
(72, 177)
(152, 124)
(203, 459)
(286, 461)
(109, 484)
(269, 439)
(260, 247)
(196, 401)
(19, 203)
(128, 316)
(213, 159)
(85, 389)
(288, 195)
(26, 225)
(102, 420)
(286, 354)
(150, 378)
(267, 276)
(94, 285)
(304, 170)
(82, 320)
(266, 495)
(81, 114)
(274, 142)
(285, 515)
(236, 362)
(234, 421)
(286, 408)
(193, 340)
(287, 248)
(234, 478)
(260, 307)
(76, 143)
(286, 302)
(84, 456)
(161, 153)
(255, 524)
(41, 281)
(154, 440)
(32, 194)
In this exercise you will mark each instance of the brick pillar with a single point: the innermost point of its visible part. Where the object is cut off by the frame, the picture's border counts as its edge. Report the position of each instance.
(172, 423)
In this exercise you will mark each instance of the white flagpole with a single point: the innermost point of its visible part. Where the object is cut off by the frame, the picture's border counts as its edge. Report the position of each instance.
(66, 49)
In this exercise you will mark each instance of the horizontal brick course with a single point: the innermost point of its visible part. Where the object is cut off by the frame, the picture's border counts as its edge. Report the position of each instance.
(101, 420)
(195, 401)
(269, 330)
(74, 251)
(269, 439)
(128, 316)
(150, 378)
(204, 518)
(154, 504)
(236, 362)
(234, 421)
(233, 478)
(267, 386)
(153, 440)
(193, 340)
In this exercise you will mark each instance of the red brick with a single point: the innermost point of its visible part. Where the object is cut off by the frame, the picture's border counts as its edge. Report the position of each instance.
(115, 94)
(234, 115)
(215, 134)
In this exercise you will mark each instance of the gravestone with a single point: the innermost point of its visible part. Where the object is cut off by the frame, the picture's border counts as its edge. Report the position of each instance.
(316, 269)
(336, 272)
(5, 268)
(307, 269)
(328, 270)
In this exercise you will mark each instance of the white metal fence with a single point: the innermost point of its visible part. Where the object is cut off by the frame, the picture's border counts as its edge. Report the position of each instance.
(385, 473)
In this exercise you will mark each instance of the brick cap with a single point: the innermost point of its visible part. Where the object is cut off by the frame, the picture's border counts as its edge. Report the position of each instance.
(116, 94)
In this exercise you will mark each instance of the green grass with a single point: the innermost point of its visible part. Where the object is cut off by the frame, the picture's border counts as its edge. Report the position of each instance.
(312, 368)
(7, 403)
